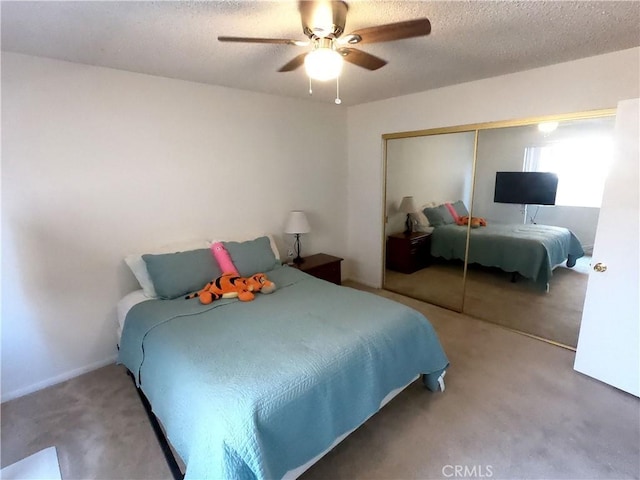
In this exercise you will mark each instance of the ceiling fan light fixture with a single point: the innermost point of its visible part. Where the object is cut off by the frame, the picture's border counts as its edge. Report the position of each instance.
(323, 64)
(351, 39)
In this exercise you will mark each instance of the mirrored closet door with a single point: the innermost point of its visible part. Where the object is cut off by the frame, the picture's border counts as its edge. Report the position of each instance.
(533, 189)
(426, 171)
(524, 292)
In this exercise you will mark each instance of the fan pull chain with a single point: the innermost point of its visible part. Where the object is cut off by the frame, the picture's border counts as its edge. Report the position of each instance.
(338, 101)
(310, 89)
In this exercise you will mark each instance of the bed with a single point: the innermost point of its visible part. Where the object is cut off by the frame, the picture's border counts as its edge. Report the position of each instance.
(262, 389)
(533, 251)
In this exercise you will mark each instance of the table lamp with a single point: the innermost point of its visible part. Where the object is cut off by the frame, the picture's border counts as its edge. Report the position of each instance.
(297, 224)
(408, 206)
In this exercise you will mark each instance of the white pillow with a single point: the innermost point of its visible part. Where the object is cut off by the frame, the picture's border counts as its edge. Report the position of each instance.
(423, 229)
(244, 238)
(139, 267)
(420, 218)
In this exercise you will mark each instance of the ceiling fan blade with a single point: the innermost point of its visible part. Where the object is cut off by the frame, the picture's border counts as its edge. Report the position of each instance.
(278, 41)
(391, 31)
(362, 59)
(294, 63)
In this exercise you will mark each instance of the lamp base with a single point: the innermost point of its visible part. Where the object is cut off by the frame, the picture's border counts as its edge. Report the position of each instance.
(409, 225)
(298, 260)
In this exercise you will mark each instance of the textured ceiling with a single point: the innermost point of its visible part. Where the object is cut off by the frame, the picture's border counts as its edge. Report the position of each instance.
(469, 40)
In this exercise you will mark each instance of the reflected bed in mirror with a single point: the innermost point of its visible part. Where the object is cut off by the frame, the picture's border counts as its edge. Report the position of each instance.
(431, 169)
(529, 251)
(578, 152)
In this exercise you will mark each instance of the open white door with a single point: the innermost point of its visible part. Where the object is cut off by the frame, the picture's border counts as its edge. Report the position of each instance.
(609, 342)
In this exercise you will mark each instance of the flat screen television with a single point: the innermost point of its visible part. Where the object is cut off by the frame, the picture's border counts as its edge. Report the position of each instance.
(527, 188)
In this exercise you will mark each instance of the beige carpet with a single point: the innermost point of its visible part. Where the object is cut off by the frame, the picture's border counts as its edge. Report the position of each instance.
(490, 295)
(440, 283)
(512, 403)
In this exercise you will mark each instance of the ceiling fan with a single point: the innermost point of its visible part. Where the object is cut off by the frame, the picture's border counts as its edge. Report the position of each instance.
(323, 23)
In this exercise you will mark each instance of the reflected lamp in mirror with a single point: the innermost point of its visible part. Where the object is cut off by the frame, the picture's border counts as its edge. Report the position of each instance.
(408, 206)
(297, 224)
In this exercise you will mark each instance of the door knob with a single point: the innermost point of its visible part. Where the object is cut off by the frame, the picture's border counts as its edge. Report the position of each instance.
(600, 267)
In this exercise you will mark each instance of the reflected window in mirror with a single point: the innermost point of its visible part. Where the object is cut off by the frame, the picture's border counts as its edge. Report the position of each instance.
(545, 298)
(581, 162)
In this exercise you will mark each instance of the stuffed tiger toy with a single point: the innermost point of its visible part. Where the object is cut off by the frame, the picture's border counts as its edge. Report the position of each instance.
(475, 221)
(260, 283)
(231, 285)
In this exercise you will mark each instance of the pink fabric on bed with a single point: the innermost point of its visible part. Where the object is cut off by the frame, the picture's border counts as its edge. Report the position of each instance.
(223, 258)
(452, 211)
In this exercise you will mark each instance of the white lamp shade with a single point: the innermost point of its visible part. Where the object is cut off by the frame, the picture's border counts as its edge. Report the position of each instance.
(297, 223)
(407, 205)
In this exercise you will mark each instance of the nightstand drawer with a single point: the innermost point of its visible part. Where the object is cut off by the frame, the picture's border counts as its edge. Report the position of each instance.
(330, 272)
(408, 253)
(323, 266)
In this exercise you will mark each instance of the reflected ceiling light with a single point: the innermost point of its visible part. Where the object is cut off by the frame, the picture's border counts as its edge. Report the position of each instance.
(323, 63)
(547, 127)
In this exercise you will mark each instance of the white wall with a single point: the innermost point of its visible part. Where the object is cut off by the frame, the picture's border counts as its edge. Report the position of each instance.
(587, 84)
(99, 163)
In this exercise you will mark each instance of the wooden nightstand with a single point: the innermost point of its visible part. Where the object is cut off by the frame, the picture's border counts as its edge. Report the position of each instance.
(321, 265)
(408, 253)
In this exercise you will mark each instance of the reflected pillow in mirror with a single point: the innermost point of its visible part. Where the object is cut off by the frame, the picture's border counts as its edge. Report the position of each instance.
(452, 211)
(421, 222)
(439, 216)
(419, 219)
(460, 208)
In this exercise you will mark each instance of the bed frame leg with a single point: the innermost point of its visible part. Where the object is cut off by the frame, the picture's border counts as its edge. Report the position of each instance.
(514, 277)
(176, 473)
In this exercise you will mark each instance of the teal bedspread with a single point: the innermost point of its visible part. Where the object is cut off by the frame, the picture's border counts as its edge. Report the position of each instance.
(531, 250)
(253, 390)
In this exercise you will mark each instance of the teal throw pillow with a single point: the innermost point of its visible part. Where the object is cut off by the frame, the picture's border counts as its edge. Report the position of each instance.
(176, 274)
(252, 256)
(438, 216)
(460, 208)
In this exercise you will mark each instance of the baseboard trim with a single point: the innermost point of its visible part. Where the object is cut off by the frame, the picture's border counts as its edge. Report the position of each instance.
(366, 283)
(21, 392)
(531, 335)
